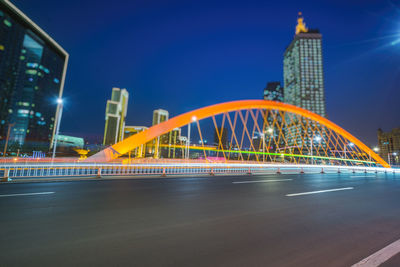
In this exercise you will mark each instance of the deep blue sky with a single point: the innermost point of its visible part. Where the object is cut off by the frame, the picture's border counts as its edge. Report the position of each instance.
(181, 55)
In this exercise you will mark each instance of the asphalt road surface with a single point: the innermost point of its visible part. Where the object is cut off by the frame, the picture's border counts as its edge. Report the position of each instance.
(263, 220)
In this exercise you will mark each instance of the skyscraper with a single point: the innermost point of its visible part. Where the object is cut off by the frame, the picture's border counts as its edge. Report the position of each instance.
(139, 152)
(32, 75)
(303, 70)
(273, 91)
(116, 110)
(159, 116)
(389, 145)
(303, 79)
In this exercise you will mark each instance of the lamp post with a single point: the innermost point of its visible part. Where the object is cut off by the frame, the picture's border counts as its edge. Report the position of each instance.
(317, 138)
(194, 118)
(55, 138)
(262, 135)
(345, 146)
(8, 136)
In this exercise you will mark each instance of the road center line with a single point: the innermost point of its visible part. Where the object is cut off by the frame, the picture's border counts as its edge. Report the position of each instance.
(320, 191)
(380, 256)
(27, 194)
(261, 181)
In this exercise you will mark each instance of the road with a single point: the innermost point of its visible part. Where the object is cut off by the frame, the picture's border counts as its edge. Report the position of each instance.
(208, 221)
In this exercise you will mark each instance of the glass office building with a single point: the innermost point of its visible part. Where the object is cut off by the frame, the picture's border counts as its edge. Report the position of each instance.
(32, 74)
(303, 71)
(273, 91)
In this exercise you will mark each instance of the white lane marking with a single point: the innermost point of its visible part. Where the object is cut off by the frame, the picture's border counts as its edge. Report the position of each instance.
(261, 181)
(380, 256)
(320, 191)
(27, 194)
(356, 176)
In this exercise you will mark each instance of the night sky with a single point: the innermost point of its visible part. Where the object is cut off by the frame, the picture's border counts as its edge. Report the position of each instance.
(182, 55)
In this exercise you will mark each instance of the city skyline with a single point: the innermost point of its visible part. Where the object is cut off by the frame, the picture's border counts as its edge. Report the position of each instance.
(153, 85)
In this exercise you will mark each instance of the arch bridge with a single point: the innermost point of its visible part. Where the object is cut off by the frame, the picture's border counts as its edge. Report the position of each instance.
(258, 131)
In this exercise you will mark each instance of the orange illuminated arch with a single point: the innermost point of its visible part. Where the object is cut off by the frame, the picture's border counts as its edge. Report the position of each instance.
(136, 140)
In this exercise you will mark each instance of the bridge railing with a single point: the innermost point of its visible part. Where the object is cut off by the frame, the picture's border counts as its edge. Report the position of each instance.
(55, 171)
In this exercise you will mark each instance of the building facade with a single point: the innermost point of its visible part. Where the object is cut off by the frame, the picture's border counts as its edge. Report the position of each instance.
(32, 74)
(139, 152)
(304, 80)
(159, 116)
(273, 91)
(116, 110)
(303, 70)
(389, 145)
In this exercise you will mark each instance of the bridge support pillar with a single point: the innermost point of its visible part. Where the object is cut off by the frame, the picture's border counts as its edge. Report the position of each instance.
(322, 170)
(99, 173)
(163, 172)
(301, 171)
(278, 171)
(365, 171)
(338, 170)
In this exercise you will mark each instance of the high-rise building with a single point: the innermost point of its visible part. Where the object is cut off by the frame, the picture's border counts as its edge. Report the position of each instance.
(159, 116)
(273, 91)
(116, 110)
(173, 142)
(303, 79)
(139, 152)
(303, 70)
(389, 145)
(32, 75)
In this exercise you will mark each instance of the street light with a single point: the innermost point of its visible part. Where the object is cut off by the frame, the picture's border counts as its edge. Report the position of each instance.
(194, 118)
(376, 149)
(317, 139)
(60, 105)
(351, 145)
(8, 136)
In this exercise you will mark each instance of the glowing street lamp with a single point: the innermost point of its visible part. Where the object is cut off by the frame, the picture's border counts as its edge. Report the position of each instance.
(194, 119)
(60, 105)
(351, 145)
(376, 149)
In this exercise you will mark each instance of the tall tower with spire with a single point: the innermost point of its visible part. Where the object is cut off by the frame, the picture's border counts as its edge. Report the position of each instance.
(303, 75)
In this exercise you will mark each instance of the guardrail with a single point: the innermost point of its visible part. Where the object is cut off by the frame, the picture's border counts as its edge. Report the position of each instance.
(15, 171)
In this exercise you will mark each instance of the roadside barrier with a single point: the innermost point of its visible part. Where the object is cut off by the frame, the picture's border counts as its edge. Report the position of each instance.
(62, 170)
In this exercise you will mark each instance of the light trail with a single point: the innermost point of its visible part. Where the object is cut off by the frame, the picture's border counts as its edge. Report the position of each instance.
(263, 153)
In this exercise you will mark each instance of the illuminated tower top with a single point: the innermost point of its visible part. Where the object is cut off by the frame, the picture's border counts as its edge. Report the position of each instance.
(301, 25)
